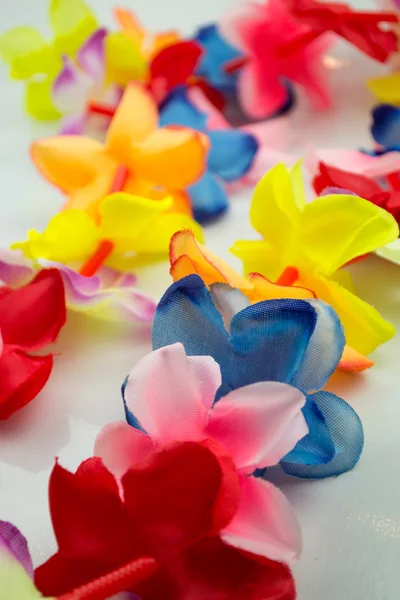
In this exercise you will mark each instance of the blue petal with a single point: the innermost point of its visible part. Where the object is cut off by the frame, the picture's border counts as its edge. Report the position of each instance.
(178, 110)
(335, 441)
(216, 52)
(187, 314)
(232, 153)
(386, 126)
(270, 340)
(209, 199)
(324, 350)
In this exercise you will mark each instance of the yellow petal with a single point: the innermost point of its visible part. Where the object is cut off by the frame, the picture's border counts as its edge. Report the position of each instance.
(157, 239)
(259, 257)
(15, 582)
(275, 211)
(339, 228)
(124, 61)
(38, 100)
(210, 267)
(136, 118)
(365, 329)
(125, 218)
(72, 22)
(26, 51)
(69, 236)
(386, 88)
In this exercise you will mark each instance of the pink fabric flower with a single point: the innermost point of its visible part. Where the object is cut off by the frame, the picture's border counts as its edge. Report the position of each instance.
(260, 31)
(170, 397)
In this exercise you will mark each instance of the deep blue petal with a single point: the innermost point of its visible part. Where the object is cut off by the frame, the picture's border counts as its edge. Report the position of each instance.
(216, 52)
(178, 110)
(186, 314)
(270, 339)
(386, 125)
(333, 425)
(209, 198)
(232, 153)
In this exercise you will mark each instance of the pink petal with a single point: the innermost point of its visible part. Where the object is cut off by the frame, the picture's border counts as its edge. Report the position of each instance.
(72, 88)
(15, 269)
(73, 124)
(165, 396)
(237, 24)
(208, 375)
(261, 93)
(353, 161)
(120, 446)
(91, 55)
(258, 424)
(265, 523)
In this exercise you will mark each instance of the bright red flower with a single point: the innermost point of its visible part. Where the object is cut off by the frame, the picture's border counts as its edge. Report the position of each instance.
(362, 29)
(359, 184)
(30, 318)
(171, 508)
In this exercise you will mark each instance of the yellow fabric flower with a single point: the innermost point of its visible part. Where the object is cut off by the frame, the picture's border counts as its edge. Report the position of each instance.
(37, 61)
(386, 88)
(307, 244)
(132, 230)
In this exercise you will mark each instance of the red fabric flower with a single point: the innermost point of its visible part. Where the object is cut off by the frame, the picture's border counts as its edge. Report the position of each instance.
(171, 509)
(30, 318)
(362, 29)
(359, 184)
(175, 65)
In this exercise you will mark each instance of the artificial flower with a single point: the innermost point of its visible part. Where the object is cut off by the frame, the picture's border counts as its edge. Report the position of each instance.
(362, 29)
(130, 229)
(107, 295)
(37, 61)
(390, 252)
(255, 426)
(216, 53)
(360, 163)
(259, 31)
(230, 157)
(189, 257)
(30, 319)
(137, 157)
(169, 509)
(307, 244)
(331, 177)
(81, 83)
(292, 341)
(386, 127)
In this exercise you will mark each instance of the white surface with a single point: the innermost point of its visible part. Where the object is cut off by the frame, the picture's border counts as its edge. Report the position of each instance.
(351, 525)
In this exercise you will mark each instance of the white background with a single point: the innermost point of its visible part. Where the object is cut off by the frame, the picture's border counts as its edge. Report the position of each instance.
(351, 525)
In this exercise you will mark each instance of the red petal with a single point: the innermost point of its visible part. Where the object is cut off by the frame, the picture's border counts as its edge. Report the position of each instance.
(334, 177)
(172, 497)
(175, 64)
(213, 95)
(32, 316)
(21, 379)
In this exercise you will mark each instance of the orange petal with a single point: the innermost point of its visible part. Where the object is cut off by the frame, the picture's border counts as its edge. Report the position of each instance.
(136, 118)
(210, 267)
(264, 289)
(183, 267)
(354, 361)
(130, 24)
(69, 161)
(171, 156)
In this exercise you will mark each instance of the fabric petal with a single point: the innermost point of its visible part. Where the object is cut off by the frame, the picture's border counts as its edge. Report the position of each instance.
(334, 444)
(265, 523)
(264, 289)
(38, 99)
(161, 386)
(232, 153)
(91, 56)
(386, 125)
(261, 94)
(15, 269)
(386, 88)
(23, 48)
(31, 316)
(22, 377)
(73, 124)
(71, 88)
(14, 543)
(216, 52)
(208, 376)
(352, 360)
(228, 300)
(324, 350)
(121, 446)
(258, 424)
(209, 198)
(178, 110)
(173, 66)
(72, 22)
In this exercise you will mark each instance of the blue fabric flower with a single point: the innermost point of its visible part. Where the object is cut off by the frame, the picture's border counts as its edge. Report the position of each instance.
(386, 127)
(292, 341)
(216, 52)
(231, 154)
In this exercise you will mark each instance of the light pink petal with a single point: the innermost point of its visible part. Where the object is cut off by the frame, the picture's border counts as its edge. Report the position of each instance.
(91, 56)
(353, 161)
(273, 134)
(261, 93)
(237, 25)
(15, 269)
(215, 119)
(265, 523)
(165, 396)
(258, 424)
(72, 88)
(73, 124)
(264, 161)
(120, 446)
(208, 374)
